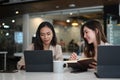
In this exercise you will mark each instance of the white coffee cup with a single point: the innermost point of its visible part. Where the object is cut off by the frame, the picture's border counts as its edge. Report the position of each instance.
(58, 66)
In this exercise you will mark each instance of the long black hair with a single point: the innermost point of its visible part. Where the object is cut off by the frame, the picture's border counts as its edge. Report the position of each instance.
(38, 44)
(89, 50)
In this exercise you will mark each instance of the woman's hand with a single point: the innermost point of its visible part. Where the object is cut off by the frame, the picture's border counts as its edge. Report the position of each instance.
(93, 65)
(73, 56)
(20, 67)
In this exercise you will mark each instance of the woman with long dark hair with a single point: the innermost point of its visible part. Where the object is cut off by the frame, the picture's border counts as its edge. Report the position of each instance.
(93, 34)
(45, 40)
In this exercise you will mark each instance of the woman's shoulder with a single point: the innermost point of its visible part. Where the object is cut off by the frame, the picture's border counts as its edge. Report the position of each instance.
(58, 45)
(105, 43)
(31, 47)
(55, 47)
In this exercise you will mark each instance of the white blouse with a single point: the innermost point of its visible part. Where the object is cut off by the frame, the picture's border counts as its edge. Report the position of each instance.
(83, 55)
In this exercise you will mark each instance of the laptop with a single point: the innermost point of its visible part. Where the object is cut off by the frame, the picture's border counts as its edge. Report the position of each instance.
(38, 61)
(108, 63)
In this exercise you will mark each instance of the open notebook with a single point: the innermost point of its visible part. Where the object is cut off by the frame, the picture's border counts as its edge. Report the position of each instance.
(80, 65)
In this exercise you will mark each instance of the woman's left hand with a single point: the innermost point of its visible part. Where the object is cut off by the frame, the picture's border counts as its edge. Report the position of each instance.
(93, 65)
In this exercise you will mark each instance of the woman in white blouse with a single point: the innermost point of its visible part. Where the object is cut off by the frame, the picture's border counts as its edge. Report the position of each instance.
(93, 34)
(45, 40)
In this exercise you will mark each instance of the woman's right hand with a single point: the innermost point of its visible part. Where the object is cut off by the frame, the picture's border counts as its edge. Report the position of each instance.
(73, 56)
(93, 65)
(20, 67)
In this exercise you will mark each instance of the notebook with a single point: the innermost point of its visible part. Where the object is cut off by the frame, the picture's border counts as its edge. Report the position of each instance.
(80, 65)
(108, 61)
(38, 61)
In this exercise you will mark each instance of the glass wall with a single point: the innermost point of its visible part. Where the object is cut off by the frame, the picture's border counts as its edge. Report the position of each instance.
(113, 34)
(113, 30)
(11, 35)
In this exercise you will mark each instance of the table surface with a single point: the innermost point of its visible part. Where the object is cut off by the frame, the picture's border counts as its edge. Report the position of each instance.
(66, 75)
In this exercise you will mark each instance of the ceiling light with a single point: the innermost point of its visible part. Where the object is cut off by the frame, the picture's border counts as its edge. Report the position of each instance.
(7, 34)
(82, 23)
(68, 21)
(16, 12)
(3, 24)
(57, 6)
(6, 26)
(13, 21)
(71, 13)
(75, 23)
(34, 35)
(72, 5)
